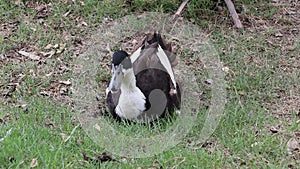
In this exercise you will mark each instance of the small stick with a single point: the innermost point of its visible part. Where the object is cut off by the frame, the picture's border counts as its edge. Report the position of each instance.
(180, 9)
(233, 13)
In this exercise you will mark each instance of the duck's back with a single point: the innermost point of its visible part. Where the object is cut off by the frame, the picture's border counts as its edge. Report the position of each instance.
(151, 74)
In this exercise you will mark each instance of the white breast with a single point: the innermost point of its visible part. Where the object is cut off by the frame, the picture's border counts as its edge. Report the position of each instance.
(131, 103)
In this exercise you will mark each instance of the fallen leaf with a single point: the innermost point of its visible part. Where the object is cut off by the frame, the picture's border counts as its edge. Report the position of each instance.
(49, 74)
(225, 69)
(48, 54)
(12, 159)
(81, 3)
(291, 12)
(50, 124)
(83, 23)
(105, 157)
(18, 2)
(61, 48)
(49, 46)
(134, 41)
(107, 19)
(30, 55)
(98, 158)
(80, 142)
(66, 14)
(278, 34)
(65, 82)
(40, 8)
(33, 29)
(24, 107)
(34, 163)
(157, 164)
(124, 160)
(274, 129)
(55, 46)
(97, 127)
(45, 93)
(291, 48)
(292, 146)
(209, 81)
(63, 90)
(63, 136)
(254, 144)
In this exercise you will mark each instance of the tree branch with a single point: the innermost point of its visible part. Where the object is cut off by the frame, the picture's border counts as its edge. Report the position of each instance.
(233, 13)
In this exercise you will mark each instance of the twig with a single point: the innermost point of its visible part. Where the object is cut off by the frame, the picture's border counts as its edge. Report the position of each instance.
(233, 13)
(180, 9)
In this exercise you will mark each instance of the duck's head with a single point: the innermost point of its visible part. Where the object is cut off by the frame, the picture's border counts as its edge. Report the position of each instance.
(121, 68)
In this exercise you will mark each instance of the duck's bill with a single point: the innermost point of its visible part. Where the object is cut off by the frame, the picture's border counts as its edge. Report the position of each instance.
(116, 79)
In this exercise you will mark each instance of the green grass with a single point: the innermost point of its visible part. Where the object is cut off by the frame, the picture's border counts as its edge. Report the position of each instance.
(260, 78)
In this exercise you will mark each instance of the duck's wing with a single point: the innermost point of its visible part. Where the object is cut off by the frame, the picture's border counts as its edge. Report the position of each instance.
(155, 52)
(152, 41)
(112, 100)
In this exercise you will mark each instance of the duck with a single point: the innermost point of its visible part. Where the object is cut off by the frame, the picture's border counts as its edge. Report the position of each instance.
(143, 85)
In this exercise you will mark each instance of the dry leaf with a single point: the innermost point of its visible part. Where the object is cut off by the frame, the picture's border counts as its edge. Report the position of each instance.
(98, 158)
(254, 144)
(292, 146)
(40, 8)
(49, 46)
(209, 81)
(66, 14)
(55, 46)
(49, 74)
(83, 23)
(65, 82)
(278, 34)
(24, 107)
(63, 136)
(123, 159)
(34, 163)
(274, 129)
(225, 69)
(50, 124)
(18, 2)
(81, 3)
(48, 54)
(63, 90)
(61, 48)
(30, 55)
(97, 127)
(45, 93)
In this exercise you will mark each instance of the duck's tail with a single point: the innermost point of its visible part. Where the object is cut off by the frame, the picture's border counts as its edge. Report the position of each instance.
(154, 40)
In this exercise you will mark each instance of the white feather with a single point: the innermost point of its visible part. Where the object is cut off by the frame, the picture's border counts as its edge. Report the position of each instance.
(131, 101)
(131, 104)
(135, 55)
(166, 63)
